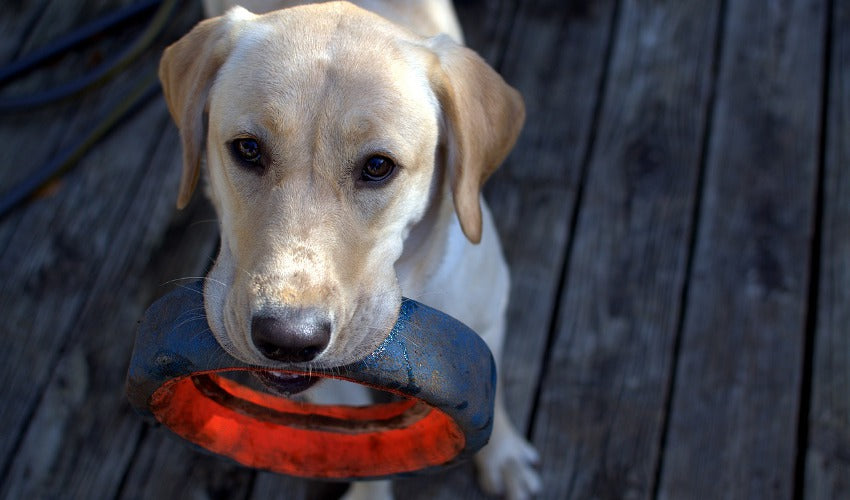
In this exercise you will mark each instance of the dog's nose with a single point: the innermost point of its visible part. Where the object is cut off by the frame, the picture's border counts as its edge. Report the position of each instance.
(291, 335)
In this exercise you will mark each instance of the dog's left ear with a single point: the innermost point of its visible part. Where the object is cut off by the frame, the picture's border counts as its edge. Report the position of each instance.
(187, 71)
(483, 116)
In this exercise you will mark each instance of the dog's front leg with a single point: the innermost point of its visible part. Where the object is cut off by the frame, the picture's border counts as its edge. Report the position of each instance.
(506, 464)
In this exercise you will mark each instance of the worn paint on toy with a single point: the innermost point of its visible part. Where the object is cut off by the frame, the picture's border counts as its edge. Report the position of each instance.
(443, 371)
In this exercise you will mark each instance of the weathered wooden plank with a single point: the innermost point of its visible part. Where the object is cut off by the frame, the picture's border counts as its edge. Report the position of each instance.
(533, 198)
(603, 396)
(48, 266)
(828, 455)
(735, 403)
(486, 24)
(270, 486)
(40, 349)
(71, 271)
(83, 450)
(167, 467)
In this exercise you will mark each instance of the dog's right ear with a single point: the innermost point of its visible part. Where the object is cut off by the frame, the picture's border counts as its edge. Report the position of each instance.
(187, 71)
(483, 117)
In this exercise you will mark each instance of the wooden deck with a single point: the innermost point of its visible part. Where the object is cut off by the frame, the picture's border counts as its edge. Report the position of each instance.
(676, 216)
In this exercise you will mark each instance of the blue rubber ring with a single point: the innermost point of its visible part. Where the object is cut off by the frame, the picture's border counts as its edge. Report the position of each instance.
(428, 356)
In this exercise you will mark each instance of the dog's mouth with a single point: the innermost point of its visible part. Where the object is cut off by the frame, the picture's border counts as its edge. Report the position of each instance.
(285, 383)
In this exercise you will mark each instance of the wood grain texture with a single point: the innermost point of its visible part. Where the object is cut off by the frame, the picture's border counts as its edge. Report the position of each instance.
(50, 264)
(84, 450)
(52, 352)
(486, 25)
(603, 396)
(269, 486)
(828, 454)
(735, 404)
(73, 266)
(167, 467)
(533, 196)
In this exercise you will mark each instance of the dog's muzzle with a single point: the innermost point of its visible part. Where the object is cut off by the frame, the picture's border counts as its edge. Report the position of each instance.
(440, 372)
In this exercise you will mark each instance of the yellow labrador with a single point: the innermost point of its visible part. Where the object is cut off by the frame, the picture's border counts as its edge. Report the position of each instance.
(346, 147)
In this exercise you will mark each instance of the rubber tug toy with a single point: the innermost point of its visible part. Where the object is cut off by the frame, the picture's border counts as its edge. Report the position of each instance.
(441, 373)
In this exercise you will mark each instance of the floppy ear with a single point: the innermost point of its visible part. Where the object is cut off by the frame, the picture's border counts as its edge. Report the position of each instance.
(187, 71)
(483, 116)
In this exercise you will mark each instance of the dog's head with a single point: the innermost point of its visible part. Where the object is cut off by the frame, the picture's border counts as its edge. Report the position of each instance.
(324, 129)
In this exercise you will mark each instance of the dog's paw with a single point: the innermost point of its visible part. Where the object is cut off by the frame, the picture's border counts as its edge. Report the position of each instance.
(506, 467)
(369, 490)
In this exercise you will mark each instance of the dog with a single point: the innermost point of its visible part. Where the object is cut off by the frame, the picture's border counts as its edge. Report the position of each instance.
(346, 146)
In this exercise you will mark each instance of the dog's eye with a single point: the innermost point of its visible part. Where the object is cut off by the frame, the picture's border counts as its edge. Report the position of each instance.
(377, 168)
(247, 149)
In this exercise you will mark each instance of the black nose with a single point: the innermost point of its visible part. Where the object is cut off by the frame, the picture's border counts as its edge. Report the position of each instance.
(291, 334)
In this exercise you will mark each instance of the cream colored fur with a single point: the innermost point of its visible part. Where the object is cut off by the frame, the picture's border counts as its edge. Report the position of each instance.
(322, 87)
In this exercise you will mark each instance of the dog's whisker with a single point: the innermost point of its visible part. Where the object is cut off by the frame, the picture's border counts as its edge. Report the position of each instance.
(245, 271)
(213, 280)
(188, 320)
(408, 339)
(432, 293)
(185, 287)
(184, 278)
(193, 278)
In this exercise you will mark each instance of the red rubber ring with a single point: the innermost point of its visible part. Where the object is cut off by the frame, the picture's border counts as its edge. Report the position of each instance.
(442, 370)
